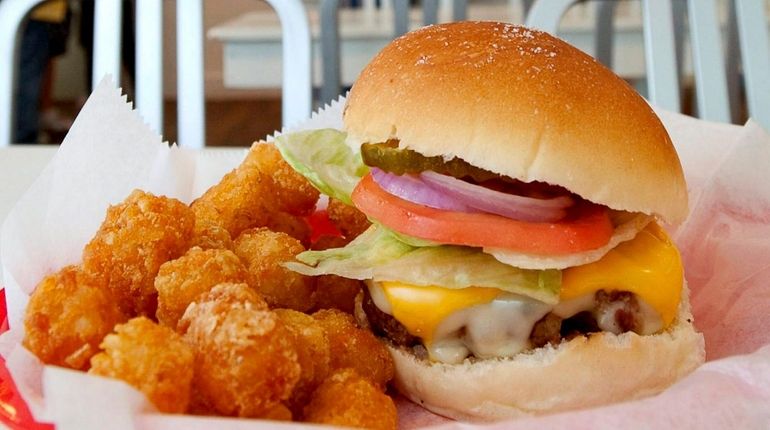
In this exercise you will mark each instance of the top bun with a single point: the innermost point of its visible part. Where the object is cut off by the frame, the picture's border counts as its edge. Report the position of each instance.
(523, 104)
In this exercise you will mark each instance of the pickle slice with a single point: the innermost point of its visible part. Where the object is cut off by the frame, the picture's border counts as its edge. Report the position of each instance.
(388, 157)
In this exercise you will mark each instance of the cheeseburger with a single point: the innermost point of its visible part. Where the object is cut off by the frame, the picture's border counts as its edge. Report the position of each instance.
(516, 264)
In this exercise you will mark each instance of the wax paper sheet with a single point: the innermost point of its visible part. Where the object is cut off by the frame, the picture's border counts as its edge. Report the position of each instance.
(725, 244)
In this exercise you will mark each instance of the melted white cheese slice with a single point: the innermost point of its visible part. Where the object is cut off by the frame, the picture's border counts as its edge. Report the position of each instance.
(627, 226)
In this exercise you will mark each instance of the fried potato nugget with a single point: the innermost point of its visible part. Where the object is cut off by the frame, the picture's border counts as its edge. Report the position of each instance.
(247, 197)
(349, 221)
(210, 235)
(293, 193)
(235, 204)
(135, 239)
(294, 226)
(327, 241)
(347, 399)
(181, 281)
(355, 348)
(152, 358)
(224, 296)
(245, 357)
(312, 354)
(67, 317)
(335, 292)
(264, 251)
(279, 412)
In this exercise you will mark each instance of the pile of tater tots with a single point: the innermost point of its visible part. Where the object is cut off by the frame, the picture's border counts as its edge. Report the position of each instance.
(191, 305)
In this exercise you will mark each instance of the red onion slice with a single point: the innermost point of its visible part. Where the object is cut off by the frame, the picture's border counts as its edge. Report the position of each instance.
(508, 205)
(413, 189)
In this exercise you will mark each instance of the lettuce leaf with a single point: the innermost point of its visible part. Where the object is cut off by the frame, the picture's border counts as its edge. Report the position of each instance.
(378, 254)
(323, 157)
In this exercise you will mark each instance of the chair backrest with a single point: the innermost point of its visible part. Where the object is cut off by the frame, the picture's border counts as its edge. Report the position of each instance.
(12, 13)
(605, 33)
(191, 114)
(297, 73)
(751, 20)
(297, 96)
(149, 65)
(330, 50)
(663, 47)
(660, 48)
(660, 54)
(330, 39)
(708, 59)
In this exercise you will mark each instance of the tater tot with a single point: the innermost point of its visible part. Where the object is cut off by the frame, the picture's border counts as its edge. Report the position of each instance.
(198, 405)
(236, 203)
(294, 226)
(181, 281)
(152, 358)
(226, 295)
(210, 236)
(312, 354)
(279, 412)
(67, 317)
(335, 292)
(245, 358)
(350, 221)
(249, 196)
(264, 251)
(135, 239)
(327, 241)
(292, 193)
(356, 348)
(347, 399)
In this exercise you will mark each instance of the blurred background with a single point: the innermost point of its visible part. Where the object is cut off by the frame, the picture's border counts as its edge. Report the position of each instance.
(243, 57)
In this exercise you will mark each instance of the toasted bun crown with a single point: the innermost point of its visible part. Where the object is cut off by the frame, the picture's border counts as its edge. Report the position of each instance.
(524, 104)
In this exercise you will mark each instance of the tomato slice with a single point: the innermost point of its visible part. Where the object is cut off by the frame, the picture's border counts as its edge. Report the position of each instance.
(588, 228)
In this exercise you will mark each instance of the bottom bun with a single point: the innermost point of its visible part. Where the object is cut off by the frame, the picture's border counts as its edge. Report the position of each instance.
(586, 371)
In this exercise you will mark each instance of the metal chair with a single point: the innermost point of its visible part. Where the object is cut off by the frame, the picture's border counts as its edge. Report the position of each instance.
(662, 80)
(297, 97)
(747, 27)
(12, 13)
(708, 61)
(297, 84)
(751, 20)
(330, 40)
(429, 13)
(107, 24)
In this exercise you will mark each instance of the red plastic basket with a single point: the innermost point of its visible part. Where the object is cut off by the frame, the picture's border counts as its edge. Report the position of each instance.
(14, 413)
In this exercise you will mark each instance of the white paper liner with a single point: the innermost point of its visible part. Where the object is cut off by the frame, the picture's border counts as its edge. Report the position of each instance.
(109, 151)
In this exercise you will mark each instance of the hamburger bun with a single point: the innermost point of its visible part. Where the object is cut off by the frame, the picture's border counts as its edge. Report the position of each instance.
(523, 104)
(586, 371)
